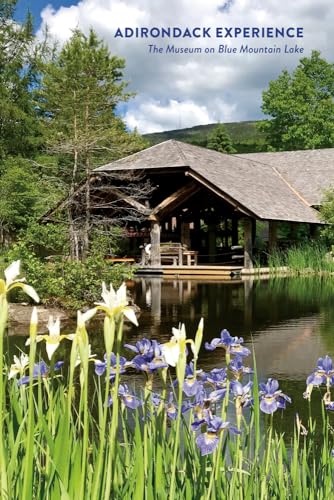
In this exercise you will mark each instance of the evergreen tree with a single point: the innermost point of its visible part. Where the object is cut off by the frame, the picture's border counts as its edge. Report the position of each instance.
(19, 125)
(80, 91)
(220, 140)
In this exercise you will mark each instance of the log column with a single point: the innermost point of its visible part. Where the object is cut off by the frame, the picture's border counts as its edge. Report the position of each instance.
(185, 234)
(248, 243)
(272, 235)
(155, 243)
(235, 237)
(212, 242)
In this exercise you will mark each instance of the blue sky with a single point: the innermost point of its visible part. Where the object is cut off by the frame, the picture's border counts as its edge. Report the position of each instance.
(178, 90)
(36, 6)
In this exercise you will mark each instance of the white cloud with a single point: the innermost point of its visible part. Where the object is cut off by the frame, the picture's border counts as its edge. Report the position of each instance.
(175, 90)
(153, 116)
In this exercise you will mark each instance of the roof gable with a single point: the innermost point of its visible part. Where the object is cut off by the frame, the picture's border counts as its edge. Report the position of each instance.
(257, 186)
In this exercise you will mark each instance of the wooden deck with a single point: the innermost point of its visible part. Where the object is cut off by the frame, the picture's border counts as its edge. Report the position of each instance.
(202, 271)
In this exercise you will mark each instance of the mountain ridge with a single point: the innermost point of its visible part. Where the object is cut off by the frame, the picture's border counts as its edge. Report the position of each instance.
(245, 135)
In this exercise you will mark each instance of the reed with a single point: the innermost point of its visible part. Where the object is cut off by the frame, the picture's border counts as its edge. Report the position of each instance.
(302, 259)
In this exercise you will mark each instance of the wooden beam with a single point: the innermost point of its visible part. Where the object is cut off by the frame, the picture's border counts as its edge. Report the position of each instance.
(175, 199)
(219, 193)
(248, 244)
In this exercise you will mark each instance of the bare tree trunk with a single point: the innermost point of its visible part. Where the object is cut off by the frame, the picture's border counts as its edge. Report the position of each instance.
(86, 228)
(74, 250)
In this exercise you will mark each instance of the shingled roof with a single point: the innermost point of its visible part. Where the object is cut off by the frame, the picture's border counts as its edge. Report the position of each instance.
(261, 189)
(310, 172)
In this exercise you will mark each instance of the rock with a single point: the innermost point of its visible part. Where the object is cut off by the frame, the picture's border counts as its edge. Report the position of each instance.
(20, 314)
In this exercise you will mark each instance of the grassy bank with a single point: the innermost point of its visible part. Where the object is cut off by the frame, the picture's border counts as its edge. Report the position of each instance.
(79, 428)
(307, 258)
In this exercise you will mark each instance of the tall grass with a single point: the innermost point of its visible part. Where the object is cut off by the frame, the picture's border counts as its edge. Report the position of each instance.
(61, 438)
(312, 257)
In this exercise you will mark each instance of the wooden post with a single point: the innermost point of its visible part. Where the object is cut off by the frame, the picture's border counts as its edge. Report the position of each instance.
(235, 237)
(272, 235)
(248, 245)
(155, 243)
(212, 242)
(253, 231)
(185, 234)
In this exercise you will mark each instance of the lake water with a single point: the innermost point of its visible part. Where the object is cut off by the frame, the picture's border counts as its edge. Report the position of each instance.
(289, 321)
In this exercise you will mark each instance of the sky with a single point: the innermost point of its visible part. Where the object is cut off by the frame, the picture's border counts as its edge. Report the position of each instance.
(184, 90)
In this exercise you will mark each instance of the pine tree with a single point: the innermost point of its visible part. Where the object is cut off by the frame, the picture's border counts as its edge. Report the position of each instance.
(220, 140)
(19, 55)
(80, 91)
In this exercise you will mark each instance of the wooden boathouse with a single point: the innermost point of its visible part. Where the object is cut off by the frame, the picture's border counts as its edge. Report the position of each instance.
(204, 208)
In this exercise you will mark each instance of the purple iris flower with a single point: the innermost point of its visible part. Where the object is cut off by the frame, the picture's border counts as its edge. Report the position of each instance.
(191, 384)
(129, 399)
(323, 374)
(171, 408)
(217, 377)
(151, 361)
(204, 399)
(271, 397)
(41, 369)
(208, 441)
(237, 367)
(242, 393)
(143, 346)
(156, 399)
(232, 345)
(101, 366)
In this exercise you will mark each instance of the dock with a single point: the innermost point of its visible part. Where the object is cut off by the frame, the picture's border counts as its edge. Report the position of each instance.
(188, 272)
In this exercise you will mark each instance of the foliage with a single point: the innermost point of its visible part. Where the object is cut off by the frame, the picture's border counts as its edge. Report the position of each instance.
(60, 280)
(80, 90)
(220, 140)
(24, 194)
(68, 435)
(301, 106)
(45, 239)
(19, 56)
(327, 215)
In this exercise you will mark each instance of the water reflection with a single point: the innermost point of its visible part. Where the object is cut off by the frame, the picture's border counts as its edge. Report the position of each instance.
(290, 323)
